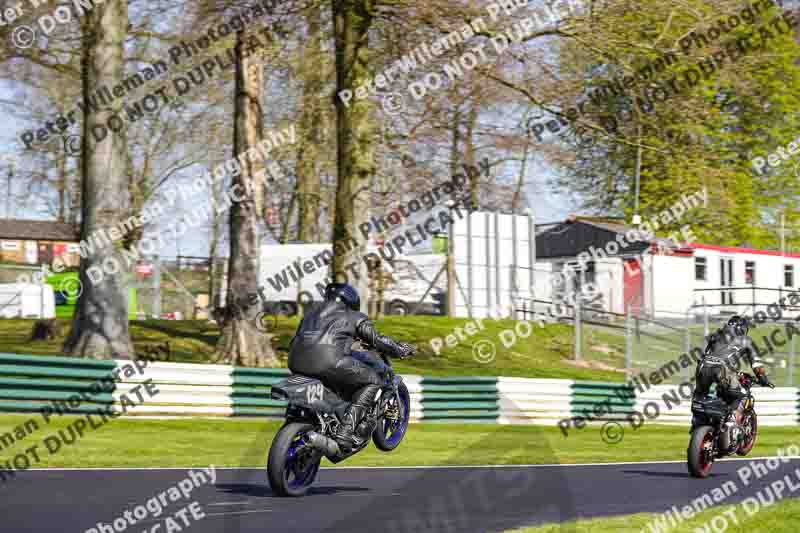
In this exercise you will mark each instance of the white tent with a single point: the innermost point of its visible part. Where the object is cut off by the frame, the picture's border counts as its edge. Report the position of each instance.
(26, 300)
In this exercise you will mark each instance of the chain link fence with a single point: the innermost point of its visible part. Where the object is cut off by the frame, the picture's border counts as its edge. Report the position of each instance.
(653, 343)
(159, 287)
(15, 273)
(178, 287)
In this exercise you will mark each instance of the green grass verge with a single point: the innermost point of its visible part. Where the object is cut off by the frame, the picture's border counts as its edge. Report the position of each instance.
(779, 518)
(245, 442)
(546, 353)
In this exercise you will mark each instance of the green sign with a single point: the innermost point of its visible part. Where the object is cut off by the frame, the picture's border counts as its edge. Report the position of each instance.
(440, 244)
(68, 283)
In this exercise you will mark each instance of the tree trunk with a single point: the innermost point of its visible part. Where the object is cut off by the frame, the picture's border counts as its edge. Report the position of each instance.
(100, 327)
(515, 201)
(469, 158)
(241, 342)
(61, 168)
(308, 178)
(285, 223)
(355, 164)
(455, 145)
(75, 193)
(216, 234)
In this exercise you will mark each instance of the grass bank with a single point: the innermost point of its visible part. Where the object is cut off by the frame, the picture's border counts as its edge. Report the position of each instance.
(545, 353)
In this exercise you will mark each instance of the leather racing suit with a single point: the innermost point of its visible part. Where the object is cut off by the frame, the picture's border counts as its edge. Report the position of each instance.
(322, 348)
(721, 363)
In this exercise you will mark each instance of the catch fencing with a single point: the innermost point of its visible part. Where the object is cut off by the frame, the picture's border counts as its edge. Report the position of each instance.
(638, 343)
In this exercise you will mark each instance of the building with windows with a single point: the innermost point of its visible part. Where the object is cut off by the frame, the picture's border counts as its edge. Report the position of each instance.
(731, 277)
(38, 242)
(659, 277)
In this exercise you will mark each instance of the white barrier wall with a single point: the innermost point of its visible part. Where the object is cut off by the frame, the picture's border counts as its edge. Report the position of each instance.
(186, 389)
(414, 384)
(183, 389)
(534, 401)
(774, 407)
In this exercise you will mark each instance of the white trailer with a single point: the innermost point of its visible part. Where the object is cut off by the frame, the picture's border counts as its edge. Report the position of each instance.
(289, 273)
(27, 300)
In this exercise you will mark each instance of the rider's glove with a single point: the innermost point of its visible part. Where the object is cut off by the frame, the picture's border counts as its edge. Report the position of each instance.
(406, 349)
(761, 377)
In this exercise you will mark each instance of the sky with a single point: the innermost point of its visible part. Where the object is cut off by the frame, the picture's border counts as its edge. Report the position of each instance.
(548, 205)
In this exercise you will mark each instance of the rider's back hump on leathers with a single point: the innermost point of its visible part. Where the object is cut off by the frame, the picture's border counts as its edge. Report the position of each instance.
(324, 336)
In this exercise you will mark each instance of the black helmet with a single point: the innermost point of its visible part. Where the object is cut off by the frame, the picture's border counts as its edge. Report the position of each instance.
(344, 293)
(738, 325)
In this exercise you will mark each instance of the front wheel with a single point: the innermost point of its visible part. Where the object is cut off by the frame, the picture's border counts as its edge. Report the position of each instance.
(700, 454)
(393, 421)
(750, 429)
(293, 465)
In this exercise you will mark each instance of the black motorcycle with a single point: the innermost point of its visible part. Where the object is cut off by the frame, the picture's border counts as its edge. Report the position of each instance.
(714, 430)
(312, 418)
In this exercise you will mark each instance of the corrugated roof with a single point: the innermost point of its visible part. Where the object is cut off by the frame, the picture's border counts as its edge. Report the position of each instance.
(42, 230)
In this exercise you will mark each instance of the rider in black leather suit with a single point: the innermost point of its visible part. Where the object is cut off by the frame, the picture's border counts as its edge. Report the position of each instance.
(321, 348)
(721, 361)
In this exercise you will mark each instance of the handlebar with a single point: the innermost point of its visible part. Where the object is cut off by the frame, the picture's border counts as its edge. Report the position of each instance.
(751, 379)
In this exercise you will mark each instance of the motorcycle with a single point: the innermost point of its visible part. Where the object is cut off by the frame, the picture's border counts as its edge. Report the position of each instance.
(313, 415)
(714, 432)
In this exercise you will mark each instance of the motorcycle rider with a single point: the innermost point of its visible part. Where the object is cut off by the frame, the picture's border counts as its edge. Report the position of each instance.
(720, 364)
(322, 348)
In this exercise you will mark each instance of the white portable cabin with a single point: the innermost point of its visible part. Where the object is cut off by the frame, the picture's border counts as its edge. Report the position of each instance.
(619, 269)
(26, 300)
(661, 278)
(752, 275)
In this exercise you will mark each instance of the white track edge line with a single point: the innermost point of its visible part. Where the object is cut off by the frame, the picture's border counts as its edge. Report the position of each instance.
(169, 468)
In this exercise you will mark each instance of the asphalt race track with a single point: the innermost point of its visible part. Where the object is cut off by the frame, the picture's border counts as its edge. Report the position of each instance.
(354, 500)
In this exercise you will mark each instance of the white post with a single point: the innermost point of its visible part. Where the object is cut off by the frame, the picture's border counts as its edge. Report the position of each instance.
(577, 308)
(628, 338)
(42, 284)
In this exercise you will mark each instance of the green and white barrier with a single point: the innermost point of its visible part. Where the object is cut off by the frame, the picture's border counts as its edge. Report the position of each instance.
(460, 399)
(28, 383)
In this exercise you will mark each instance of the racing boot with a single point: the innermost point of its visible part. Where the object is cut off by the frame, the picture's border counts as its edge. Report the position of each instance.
(352, 433)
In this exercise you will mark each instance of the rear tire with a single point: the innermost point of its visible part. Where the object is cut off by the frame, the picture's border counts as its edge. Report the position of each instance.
(697, 458)
(292, 474)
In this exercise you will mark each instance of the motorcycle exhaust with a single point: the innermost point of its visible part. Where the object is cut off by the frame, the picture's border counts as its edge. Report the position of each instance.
(725, 439)
(328, 447)
(729, 437)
